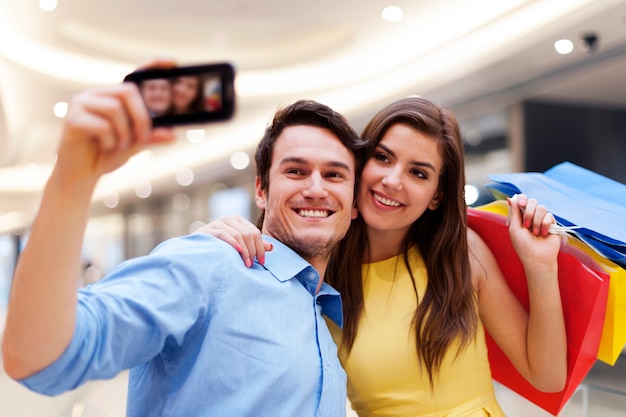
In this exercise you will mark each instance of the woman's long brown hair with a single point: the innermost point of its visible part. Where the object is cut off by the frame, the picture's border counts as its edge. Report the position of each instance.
(447, 311)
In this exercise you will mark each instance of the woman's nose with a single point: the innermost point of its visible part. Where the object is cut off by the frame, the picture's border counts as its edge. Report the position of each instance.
(393, 180)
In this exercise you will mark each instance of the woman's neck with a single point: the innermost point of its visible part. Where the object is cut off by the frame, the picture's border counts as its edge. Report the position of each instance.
(384, 244)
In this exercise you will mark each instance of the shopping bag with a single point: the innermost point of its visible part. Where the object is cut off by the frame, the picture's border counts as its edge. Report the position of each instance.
(576, 197)
(584, 290)
(614, 333)
(613, 337)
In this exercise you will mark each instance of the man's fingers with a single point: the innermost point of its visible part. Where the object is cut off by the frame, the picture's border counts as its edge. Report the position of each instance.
(159, 61)
(118, 127)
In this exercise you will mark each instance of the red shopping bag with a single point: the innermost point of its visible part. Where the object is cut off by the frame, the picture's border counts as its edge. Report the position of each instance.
(584, 289)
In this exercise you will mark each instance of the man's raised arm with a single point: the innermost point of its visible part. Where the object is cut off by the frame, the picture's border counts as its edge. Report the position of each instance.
(103, 129)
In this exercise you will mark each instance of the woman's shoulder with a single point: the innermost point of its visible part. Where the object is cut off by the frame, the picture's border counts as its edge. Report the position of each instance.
(480, 256)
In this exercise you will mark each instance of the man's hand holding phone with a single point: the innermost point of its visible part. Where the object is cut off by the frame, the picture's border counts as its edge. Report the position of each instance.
(105, 126)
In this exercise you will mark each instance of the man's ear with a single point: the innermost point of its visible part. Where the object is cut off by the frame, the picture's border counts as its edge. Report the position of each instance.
(355, 212)
(434, 203)
(261, 195)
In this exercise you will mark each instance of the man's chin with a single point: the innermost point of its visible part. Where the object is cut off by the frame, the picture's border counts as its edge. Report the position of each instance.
(312, 245)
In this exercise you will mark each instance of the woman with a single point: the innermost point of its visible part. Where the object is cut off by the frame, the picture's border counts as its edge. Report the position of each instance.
(187, 95)
(418, 286)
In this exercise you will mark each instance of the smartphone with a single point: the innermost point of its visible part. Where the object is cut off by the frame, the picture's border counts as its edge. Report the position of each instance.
(188, 94)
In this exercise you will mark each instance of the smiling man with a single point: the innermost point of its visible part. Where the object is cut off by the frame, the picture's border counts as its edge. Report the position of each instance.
(202, 334)
(157, 94)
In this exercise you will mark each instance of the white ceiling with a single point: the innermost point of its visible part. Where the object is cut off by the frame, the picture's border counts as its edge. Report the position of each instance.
(477, 57)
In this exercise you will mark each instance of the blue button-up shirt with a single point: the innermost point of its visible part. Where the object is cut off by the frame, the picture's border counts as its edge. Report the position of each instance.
(206, 336)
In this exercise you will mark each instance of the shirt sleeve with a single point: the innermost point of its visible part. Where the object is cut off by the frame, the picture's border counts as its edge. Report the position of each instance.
(146, 305)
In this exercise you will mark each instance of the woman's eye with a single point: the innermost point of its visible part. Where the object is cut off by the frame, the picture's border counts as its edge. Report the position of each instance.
(381, 157)
(419, 174)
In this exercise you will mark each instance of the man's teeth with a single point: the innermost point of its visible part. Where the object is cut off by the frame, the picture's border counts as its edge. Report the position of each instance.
(386, 201)
(313, 213)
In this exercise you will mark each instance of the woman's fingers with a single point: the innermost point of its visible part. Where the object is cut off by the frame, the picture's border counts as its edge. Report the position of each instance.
(241, 235)
(534, 216)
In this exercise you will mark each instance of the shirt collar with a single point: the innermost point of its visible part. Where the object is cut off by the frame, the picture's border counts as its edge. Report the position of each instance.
(284, 264)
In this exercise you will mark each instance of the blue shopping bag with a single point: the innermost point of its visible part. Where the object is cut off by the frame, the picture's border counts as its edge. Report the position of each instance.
(576, 197)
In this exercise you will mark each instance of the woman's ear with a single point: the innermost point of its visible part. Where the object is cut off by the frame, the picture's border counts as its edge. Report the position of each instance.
(434, 203)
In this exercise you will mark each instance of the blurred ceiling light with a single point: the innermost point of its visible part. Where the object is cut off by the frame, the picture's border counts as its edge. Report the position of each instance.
(392, 14)
(471, 194)
(60, 109)
(564, 46)
(196, 135)
(111, 200)
(181, 202)
(239, 160)
(48, 5)
(196, 225)
(184, 177)
(143, 189)
(473, 137)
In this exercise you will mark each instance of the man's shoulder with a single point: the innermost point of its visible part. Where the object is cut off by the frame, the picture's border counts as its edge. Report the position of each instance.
(200, 243)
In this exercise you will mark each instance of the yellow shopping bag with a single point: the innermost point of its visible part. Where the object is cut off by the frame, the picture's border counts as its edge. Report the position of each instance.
(613, 337)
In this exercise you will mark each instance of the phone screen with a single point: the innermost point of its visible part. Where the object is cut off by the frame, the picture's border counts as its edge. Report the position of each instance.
(188, 94)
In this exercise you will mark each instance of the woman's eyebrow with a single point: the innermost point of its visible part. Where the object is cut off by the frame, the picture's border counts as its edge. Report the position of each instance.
(422, 164)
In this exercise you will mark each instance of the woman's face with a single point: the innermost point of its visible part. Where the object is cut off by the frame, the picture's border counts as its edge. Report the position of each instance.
(184, 92)
(400, 181)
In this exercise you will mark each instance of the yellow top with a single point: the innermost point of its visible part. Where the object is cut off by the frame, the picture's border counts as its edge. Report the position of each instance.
(384, 375)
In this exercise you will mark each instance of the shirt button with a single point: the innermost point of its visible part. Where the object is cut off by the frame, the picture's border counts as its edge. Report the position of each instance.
(311, 277)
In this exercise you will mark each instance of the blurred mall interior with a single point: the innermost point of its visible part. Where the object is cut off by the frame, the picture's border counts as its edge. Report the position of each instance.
(533, 83)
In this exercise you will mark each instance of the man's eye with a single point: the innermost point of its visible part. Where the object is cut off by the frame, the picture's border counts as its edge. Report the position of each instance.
(336, 175)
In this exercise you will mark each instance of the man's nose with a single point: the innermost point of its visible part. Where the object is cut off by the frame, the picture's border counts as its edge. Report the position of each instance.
(315, 187)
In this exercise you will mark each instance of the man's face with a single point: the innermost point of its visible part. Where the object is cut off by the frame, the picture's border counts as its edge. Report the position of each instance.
(309, 202)
(157, 94)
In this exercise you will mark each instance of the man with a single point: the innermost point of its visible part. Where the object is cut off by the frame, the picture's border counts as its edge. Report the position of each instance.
(202, 334)
(157, 94)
